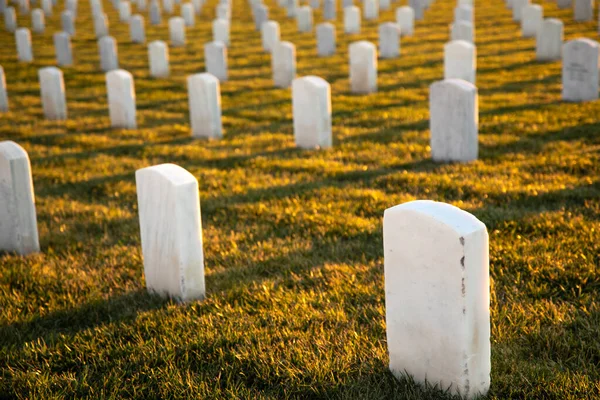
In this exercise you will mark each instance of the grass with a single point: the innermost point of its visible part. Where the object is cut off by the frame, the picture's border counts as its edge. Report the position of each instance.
(293, 239)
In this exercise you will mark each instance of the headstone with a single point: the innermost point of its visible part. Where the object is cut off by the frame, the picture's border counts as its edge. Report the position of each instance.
(142, 5)
(155, 13)
(419, 10)
(389, 40)
(462, 30)
(197, 6)
(71, 5)
(23, 40)
(292, 6)
(326, 39)
(52, 88)
(352, 19)
(371, 9)
(224, 12)
(549, 40)
(363, 67)
(463, 12)
(38, 23)
(10, 19)
(137, 31)
(531, 21)
(204, 96)
(453, 119)
(437, 296)
(66, 20)
(283, 64)
(270, 35)
(188, 15)
(517, 9)
(215, 59)
(384, 5)
(121, 99)
(171, 231)
(304, 19)
(220, 31)
(124, 11)
(177, 31)
(23, 7)
(329, 10)
(580, 70)
(460, 61)
(18, 220)
(583, 10)
(97, 7)
(311, 105)
(347, 3)
(3, 92)
(167, 6)
(261, 16)
(47, 7)
(100, 25)
(109, 60)
(63, 49)
(563, 3)
(405, 17)
(2, 6)
(158, 57)
(315, 4)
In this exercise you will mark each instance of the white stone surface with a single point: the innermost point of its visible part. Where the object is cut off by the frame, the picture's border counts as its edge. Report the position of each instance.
(329, 10)
(224, 12)
(460, 60)
(67, 22)
(462, 30)
(326, 39)
(454, 120)
(18, 220)
(261, 15)
(204, 96)
(197, 6)
(10, 19)
(158, 59)
(405, 17)
(23, 7)
(155, 13)
(583, 10)
(215, 59)
(97, 7)
(3, 92)
(283, 64)
(109, 59)
(52, 89)
(549, 40)
(363, 67)
(315, 4)
(220, 31)
(371, 9)
(137, 30)
(270, 35)
(563, 3)
(389, 40)
(171, 231)
(352, 19)
(311, 106)
(100, 25)
(384, 5)
(38, 22)
(531, 20)
(188, 14)
(580, 70)
(23, 41)
(121, 99)
(418, 8)
(463, 12)
(291, 7)
(63, 49)
(517, 9)
(142, 5)
(47, 7)
(71, 5)
(437, 296)
(124, 11)
(177, 31)
(304, 19)
(167, 6)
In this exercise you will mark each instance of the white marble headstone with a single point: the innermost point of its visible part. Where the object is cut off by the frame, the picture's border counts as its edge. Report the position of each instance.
(38, 22)
(304, 19)
(311, 105)
(363, 67)
(67, 22)
(215, 59)
(326, 39)
(580, 70)
(352, 19)
(124, 11)
(10, 19)
(371, 9)
(389, 40)
(109, 60)
(177, 31)
(462, 30)
(3, 92)
(583, 10)
(418, 8)
(329, 10)
(460, 60)
(52, 89)
(155, 13)
(549, 40)
(63, 49)
(283, 64)
(121, 99)
(47, 7)
(463, 12)
(23, 41)
(531, 20)
(100, 25)
(167, 6)
(517, 9)
(261, 16)
(158, 59)
(137, 30)
(204, 97)
(270, 35)
(405, 17)
(188, 15)
(220, 31)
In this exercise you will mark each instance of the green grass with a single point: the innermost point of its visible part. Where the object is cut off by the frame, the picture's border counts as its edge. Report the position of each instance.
(293, 239)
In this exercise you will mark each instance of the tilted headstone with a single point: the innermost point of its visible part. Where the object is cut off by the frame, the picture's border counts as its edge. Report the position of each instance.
(158, 59)
(454, 120)
(167, 6)
(10, 19)
(518, 6)
(52, 88)
(311, 106)
(370, 9)
(283, 64)
(352, 19)
(549, 40)
(38, 22)
(3, 92)
(389, 40)
(261, 16)
(188, 15)
(460, 60)
(124, 11)
(155, 13)
(121, 99)
(437, 296)
(67, 23)
(304, 19)
(329, 10)
(326, 39)
(177, 31)
(583, 10)
(63, 49)
(405, 17)
(171, 231)
(100, 25)
(462, 30)
(204, 97)
(47, 7)
(580, 70)
(23, 40)
(270, 35)
(363, 67)
(531, 20)
(220, 31)
(18, 220)
(463, 12)
(215, 60)
(137, 30)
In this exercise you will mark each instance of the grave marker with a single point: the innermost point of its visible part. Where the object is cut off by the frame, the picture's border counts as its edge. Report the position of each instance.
(580, 70)
(121, 99)
(363, 67)
(52, 88)
(283, 64)
(311, 104)
(215, 58)
(158, 59)
(204, 96)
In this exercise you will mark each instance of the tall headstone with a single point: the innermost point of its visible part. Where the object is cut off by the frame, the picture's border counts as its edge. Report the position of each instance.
(363, 67)
(549, 40)
(270, 35)
(283, 64)
(224, 12)
(389, 40)
(124, 11)
(220, 31)
(100, 25)
(63, 49)
(3, 92)
(580, 70)
(204, 96)
(326, 39)
(10, 19)
(158, 59)
(437, 296)
(177, 31)
(23, 40)
(531, 21)
(304, 19)
(109, 59)
(137, 30)
(371, 9)
(215, 59)
(142, 5)
(18, 220)
(171, 231)
(583, 10)
(52, 88)
(460, 60)
(352, 19)
(121, 99)
(454, 120)
(462, 30)
(67, 22)
(405, 17)
(188, 15)
(38, 22)
(311, 105)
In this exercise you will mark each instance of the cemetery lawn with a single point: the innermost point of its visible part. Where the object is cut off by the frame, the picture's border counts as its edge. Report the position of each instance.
(293, 239)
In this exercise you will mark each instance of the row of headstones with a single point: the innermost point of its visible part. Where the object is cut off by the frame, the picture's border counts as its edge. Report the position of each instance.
(583, 10)
(436, 267)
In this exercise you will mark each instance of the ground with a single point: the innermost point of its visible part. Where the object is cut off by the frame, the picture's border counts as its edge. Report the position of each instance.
(293, 238)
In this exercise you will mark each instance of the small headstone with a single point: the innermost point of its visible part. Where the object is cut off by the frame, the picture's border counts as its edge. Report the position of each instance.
(121, 99)
(10, 19)
(460, 60)
(304, 19)
(188, 15)
(38, 22)
(47, 7)
(352, 19)
(171, 231)
(177, 31)
(517, 9)
(389, 40)
(220, 31)
(437, 297)
(283, 64)
(531, 20)
(371, 9)
(215, 59)
(124, 11)
(549, 40)
(453, 119)
(270, 35)
(23, 40)
(261, 16)
(158, 57)
(3, 92)
(155, 13)
(100, 25)
(63, 49)
(462, 30)
(23, 7)
(66, 20)
(292, 6)
(137, 31)
(405, 17)
(311, 105)
(326, 39)
(580, 70)
(329, 10)
(109, 60)
(167, 6)
(419, 10)
(52, 88)
(363, 67)
(583, 10)
(463, 12)
(18, 220)
(204, 96)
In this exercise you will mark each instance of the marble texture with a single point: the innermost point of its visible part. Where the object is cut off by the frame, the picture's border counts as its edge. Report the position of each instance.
(270, 35)
(109, 59)
(121, 99)
(531, 20)
(52, 90)
(389, 40)
(158, 59)
(204, 97)
(311, 107)
(363, 67)
(177, 31)
(137, 29)
(549, 40)
(63, 49)
(3, 92)
(326, 39)
(460, 60)
(580, 70)
(220, 31)
(283, 64)
(38, 21)
(24, 48)
(215, 59)
(405, 17)
(171, 231)
(437, 296)
(351, 20)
